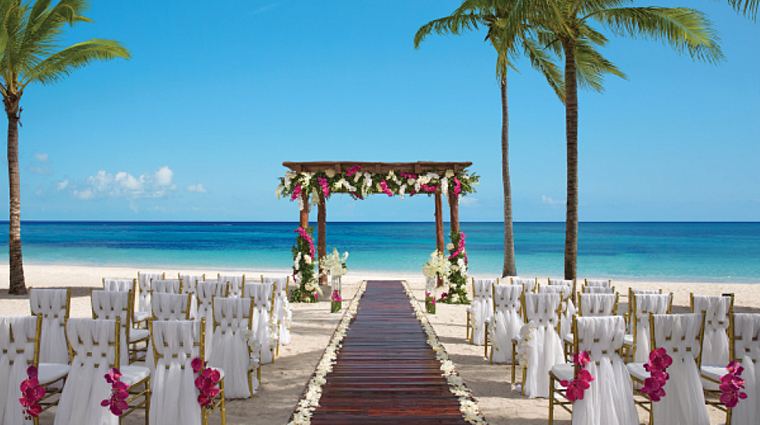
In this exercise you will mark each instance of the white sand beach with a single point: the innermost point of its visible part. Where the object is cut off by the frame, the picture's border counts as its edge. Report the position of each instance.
(284, 381)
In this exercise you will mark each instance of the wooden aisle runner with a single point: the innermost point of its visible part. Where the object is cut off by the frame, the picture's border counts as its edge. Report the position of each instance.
(386, 372)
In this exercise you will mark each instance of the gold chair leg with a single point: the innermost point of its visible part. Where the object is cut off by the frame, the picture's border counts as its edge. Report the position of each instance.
(513, 362)
(551, 399)
(223, 409)
(522, 384)
(485, 339)
(468, 327)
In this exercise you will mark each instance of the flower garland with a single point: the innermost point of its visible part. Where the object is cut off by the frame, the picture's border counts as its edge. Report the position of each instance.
(458, 270)
(467, 404)
(429, 303)
(310, 400)
(659, 361)
(117, 404)
(303, 268)
(392, 183)
(254, 347)
(525, 347)
(580, 383)
(205, 382)
(731, 384)
(31, 394)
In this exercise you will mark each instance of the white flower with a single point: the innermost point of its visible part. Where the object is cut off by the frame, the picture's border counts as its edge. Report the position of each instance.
(278, 192)
(368, 179)
(307, 258)
(455, 268)
(309, 286)
(449, 173)
(290, 174)
(330, 173)
(379, 188)
(410, 182)
(357, 176)
(450, 246)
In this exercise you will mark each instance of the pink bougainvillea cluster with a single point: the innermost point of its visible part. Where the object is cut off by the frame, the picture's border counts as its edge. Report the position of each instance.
(117, 403)
(384, 187)
(731, 384)
(31, 394)
(353, 170)
(325, 187)
(460, 249)
(429, 189)
(296, 192)
(581, 382)
(205, 382)
(457, 187)
(408, 176)
(302, 233)
(659, 361)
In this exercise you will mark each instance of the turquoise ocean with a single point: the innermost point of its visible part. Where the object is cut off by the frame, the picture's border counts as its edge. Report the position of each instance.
(692, 252)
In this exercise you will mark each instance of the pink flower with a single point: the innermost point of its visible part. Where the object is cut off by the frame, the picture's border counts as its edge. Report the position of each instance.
(31, 394)
(353, 170)
(384, 187)
(197, 364)
(336, 297)
(325, 187)
(457, 187)
(581, 358)
(429, 189)
(731, 384)
(296, 192)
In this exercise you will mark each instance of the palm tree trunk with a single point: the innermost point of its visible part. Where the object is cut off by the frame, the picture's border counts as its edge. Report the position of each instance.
(16, 266)
(509, 240)
(571, 129)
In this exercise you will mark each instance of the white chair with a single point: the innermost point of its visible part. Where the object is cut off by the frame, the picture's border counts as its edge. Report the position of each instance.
(94, 347)
(110, 305)
(174, 399)
(637, 344)
(745, 347)
(206, 291)
(189, 285)
(560, 282)
(603, 283)
(506, 322)
(143, 297)
(683, 403)
(263, 324)
(565, 289)
(119, 284)
(631, 293)
(609, 399)
(716, 310)
(544, 310)
(597, 304)
(166, 286)
(480, 310)
(19, 349)
(54, 306)
(282, 312)
(233, 318)
(598, 290)
(529, 285)
(170, 306)
(234, 284)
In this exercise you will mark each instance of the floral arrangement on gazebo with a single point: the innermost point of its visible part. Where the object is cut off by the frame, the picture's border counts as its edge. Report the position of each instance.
(313, 183)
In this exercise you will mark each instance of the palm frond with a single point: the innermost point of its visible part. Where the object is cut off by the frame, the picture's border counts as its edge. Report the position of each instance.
(746, 7)
(542, 61)
(59, 65)
(591, 67)
(684, 29)
(454, 24)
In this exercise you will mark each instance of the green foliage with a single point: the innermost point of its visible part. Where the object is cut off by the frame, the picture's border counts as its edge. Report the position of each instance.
(457, 277)
(306, 290)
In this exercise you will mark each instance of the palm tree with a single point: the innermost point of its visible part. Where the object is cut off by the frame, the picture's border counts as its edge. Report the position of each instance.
(29, 34)
(568, 22)
(746, 7)
(492, 14)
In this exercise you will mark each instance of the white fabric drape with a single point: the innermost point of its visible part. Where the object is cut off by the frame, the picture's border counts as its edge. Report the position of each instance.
(560, 282)
(597, 304)
(109, 305)
(230, 349)
(205, 292)
(235, 284)
(190, 286)
(597, 290)
(609, 399)
(506, 321)
(53, 305)
(605, 283)
(547, 349)
(747, 327)
(645, 304)
(143, 281)
(262, 325)
(528, 284)
(169, 306)
(174, 395)
(282, 312)
(119, 284)
(565, 289)
(715, 342)
(85, 386)
(481, 308)
(24, 328)
(684, 402)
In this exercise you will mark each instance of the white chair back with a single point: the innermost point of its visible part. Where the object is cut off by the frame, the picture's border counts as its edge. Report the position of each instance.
(205, 292)
(233, 319)
(597, 304)
(235, 284)
(745, 348)
(746, 341)
(110, 305)
(507, 297)
(543, 309)
(190, 282)
(176, 341)
(281, 313)
(170, 306)
(481, 308)
(507, 320)
(643, 304)
(263, 325)
(528, 284)
(716, 310)
(600, 336)
(598, 290)
(19, 342)
(167, 286)
(120, 284)
(144, 286)
(560, 282)
(604, 283)
(54, 306)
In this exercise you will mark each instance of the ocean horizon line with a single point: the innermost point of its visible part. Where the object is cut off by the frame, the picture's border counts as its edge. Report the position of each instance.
(368, 222)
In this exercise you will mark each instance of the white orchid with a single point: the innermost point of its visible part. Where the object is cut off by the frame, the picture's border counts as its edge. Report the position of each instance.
(436, 265)
(450, 173)
(330, 173)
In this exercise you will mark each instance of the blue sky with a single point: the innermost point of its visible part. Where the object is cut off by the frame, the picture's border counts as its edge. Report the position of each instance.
(217, 95)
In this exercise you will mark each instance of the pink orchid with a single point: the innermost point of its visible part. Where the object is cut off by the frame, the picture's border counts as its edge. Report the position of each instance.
(581, 382)
(31, 394)
(296, 192)
(581, 358)
(117, 403)
(206, 381)
(384, 187)
(731, 385)
(408, 176)
(197, 364)
(336, 297)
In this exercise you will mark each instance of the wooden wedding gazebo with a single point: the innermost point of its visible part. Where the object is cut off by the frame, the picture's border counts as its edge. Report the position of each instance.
(390, 178)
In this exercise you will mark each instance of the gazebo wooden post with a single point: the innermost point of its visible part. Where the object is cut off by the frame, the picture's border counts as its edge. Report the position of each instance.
(304, 219)
(454, 208)
(439, 240)
(322, 241)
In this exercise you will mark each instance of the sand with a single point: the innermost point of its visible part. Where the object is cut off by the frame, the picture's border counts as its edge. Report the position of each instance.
(283, 382)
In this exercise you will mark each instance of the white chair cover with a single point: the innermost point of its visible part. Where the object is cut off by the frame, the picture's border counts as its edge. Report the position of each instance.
(174, 396)
(528, 284)
(85, 387)
(507, 321)
(53, 305)
(230, 348)
(108, 305)
(263, 326)
(561, 282)
(283, 314)
(547, 349)
(17, 333)
(597, 304)
(119, 285)
(598, 290)
(481, 308)
(747, 348)
(235, 284)
(207, 290)
(170, 306)
(645, 304)
(190, 282)
(604, 283)
(609, 400)
(684, 402)
(166, 286)
(715, 342)
(568, 308)
(143, 281)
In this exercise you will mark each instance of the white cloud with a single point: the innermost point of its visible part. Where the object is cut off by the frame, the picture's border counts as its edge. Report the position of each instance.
(45, 170)
(467, 201)
(265, 8)
(550, 201)
(42, 157)
(62, 185)
(197, 188)
(125, 185)
(39, 192)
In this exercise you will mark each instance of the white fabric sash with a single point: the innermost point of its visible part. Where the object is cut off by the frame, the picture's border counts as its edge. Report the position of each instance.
(715, 342)
(230, 349)
(51, 303)
(506, 321)
(645, 304)
(545, 353)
